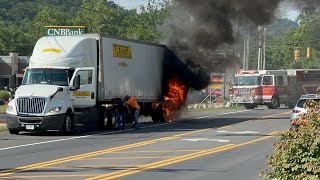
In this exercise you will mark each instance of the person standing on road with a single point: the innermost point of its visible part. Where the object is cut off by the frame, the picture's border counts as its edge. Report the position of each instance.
(120, 108)
(132, 103)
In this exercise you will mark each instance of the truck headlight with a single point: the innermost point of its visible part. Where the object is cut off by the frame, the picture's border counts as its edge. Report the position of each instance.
(55, 109)
(10, 109)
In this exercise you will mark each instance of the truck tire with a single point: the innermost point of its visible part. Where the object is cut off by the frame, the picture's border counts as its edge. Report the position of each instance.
(101, 124)
(274, 104)
(67, 125)
(157, 115)
(13, 131)
(110, 122)
(250, 106)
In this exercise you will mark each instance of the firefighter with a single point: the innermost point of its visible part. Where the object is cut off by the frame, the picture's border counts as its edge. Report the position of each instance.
(120, 108)
(134, 106)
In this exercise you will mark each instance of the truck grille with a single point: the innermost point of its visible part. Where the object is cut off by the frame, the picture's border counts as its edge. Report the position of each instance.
(244, 92)
(31, 105)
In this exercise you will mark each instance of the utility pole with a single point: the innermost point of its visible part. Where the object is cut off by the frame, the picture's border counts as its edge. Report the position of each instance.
(236, 34)
(236, 45)
(260, 50)
(248, 48)
(225, 75)
(244, 53)
(264, 48)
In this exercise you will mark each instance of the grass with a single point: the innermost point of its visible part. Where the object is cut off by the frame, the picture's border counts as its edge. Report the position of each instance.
(3, 109)
(3, 128)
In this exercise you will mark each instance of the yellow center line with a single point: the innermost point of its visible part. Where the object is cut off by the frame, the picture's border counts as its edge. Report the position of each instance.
(92, 154)
(93, 166)
(155, 151)
(158, 164)
(143, 157)
(224, 127)
(49, 176)
(265, 117)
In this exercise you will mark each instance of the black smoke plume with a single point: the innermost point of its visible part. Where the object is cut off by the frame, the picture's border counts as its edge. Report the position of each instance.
(198, 27)
(192, 75)
(202, 26)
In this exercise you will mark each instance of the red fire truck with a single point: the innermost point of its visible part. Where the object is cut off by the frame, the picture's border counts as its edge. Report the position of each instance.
(273, 87)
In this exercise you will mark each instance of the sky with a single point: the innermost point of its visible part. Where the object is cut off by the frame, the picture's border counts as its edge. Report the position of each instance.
(130, 4)
(285, 10)
(288, 13)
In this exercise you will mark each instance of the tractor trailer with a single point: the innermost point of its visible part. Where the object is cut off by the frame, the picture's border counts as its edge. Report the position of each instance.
(70, 79)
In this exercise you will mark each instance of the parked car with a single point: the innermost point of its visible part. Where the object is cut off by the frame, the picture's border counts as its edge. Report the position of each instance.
(299, 108)
(2, 101)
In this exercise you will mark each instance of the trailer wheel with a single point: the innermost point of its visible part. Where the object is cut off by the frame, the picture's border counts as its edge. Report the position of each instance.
(157, 115)
(274, 104)
(13, 131)
(250, 106)
(67, 127)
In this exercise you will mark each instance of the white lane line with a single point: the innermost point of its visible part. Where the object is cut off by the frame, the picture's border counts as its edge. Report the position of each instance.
(113, 132)
(203, 117)
(78, 137)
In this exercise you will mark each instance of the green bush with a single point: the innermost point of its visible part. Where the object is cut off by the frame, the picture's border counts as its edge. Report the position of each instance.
(297, 153)
(4, 95)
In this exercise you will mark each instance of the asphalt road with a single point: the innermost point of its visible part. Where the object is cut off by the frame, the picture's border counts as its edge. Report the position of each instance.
(222, 144)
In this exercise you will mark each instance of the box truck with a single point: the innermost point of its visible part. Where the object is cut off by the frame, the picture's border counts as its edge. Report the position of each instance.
(70, 79)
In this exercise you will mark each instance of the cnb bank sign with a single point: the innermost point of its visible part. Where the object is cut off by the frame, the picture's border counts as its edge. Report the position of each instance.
(65, 30)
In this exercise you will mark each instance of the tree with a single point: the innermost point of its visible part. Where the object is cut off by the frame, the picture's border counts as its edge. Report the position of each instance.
(280, 49)
(145, 24)
(297, 152)
(99, 17)
(11, 38)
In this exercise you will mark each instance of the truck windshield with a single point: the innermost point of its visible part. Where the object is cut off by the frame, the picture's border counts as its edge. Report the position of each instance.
(247, 80)
(46, 76)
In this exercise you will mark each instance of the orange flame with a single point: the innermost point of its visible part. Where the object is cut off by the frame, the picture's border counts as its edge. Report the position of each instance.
(175, 98)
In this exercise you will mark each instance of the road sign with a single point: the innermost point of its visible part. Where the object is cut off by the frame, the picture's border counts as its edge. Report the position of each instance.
(65, 30)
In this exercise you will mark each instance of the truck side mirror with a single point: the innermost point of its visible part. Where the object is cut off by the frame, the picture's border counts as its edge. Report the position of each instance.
(60, 89)
(76, 82)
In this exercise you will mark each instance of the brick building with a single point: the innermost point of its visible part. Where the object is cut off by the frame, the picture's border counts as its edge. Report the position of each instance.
(12, 69)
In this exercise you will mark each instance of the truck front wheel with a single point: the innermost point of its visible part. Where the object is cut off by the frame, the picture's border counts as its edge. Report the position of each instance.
(67, 123)
(274, 104)
(250, 106)
(13, 131)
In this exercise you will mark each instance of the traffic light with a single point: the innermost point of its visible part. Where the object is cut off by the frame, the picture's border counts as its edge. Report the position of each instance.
(296, 54)
(308, 52)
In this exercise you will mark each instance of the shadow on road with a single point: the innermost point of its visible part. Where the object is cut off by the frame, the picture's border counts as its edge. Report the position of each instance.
(180, 125)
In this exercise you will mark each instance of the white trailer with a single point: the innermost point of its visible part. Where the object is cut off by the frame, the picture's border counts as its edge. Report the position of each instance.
(70, 78)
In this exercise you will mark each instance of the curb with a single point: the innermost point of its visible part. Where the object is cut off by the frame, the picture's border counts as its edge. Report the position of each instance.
(204, 106)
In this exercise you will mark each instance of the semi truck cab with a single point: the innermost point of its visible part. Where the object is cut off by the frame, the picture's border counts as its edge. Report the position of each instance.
(51, 92)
